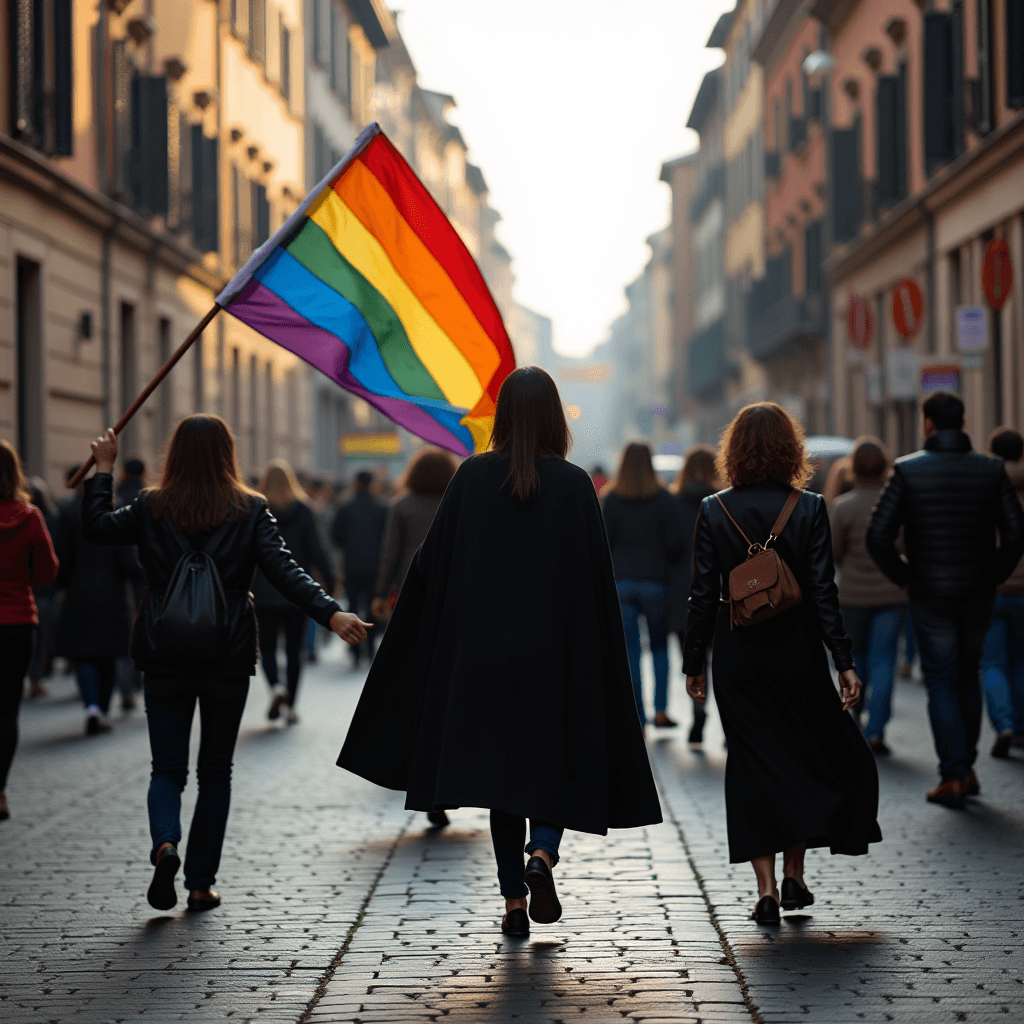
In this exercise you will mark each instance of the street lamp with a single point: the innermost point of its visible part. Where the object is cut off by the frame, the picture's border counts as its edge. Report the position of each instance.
(818, 64)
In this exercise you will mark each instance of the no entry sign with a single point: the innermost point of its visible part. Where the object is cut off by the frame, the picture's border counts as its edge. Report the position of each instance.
(996, 273)
(860, 322)
(907, 307)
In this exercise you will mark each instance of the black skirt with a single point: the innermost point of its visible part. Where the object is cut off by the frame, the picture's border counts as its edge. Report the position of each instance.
(798, 768)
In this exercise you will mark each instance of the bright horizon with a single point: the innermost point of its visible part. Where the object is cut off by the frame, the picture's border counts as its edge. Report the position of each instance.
(570, 109)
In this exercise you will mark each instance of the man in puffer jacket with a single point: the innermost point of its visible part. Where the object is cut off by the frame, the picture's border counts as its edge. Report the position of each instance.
(1002, 661)
(964, 535)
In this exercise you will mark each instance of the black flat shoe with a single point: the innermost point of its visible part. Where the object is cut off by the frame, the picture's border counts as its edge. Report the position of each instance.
(766, 911)
(438, 819)
(516, 924)
(544, 905)
(795, 896)
(197, 903)
(162, 895)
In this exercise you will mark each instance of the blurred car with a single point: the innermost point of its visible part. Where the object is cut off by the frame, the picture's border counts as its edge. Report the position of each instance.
(823, 450)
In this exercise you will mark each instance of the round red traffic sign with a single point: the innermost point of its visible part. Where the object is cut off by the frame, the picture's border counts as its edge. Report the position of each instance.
(907, 307)
(860, 322)
(997, 273)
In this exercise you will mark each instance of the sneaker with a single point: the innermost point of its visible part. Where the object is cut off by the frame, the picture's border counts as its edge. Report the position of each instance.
(1004, 741)
(878, 747)
(949, 793)
(279, 700)
(662, 721)
(95, 724)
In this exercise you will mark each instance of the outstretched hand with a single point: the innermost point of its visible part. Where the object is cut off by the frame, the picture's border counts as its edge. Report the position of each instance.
(349, 627)
(696, 687)
(104, 451)
(849, 688)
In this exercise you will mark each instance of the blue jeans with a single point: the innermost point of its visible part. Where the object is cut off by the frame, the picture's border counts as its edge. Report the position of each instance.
(950, 635)
(910, 648)
(641, 597)
(96, 679)
(170, 705)
(875, 633)
(508, 834)
(1002, 664)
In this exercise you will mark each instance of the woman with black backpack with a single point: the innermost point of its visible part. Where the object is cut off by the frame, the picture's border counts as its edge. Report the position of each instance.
(201, 533)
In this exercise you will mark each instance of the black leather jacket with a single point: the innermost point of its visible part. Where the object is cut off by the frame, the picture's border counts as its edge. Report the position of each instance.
(253, 541)
(805, 546)
(950, 501)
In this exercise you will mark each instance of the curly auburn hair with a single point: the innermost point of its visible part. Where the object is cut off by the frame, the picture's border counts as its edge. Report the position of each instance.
(763, 443)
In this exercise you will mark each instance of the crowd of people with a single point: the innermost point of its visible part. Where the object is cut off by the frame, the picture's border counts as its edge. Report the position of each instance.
(517, 568)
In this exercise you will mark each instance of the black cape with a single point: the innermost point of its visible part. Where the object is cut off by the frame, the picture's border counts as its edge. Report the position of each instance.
(502, 679)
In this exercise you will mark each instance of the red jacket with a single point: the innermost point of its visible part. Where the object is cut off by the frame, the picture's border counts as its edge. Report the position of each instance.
(27, 560)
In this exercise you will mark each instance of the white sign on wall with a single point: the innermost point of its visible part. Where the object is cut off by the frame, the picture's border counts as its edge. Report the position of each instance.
(901, 373)
(971, 328)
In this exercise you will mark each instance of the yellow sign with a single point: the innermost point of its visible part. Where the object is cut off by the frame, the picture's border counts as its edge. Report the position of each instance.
(370, 446)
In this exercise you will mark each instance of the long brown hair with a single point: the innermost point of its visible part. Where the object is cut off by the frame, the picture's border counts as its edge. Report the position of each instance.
(698, 465)
(529, 422)
(13, 486)
(280, 486)
(635, 478)
(430, 472)
(763, 442)
(200, 485)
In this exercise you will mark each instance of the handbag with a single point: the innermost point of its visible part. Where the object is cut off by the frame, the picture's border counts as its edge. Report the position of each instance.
(763, 585)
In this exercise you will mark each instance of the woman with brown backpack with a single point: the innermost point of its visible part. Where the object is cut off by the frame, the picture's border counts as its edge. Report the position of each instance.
(799, 774)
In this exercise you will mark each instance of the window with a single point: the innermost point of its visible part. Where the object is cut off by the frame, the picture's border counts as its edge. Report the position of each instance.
(259, 220)
(286, 62)
(165, 402)
(983, 120)
(258, 30)
(30, 366)
(204, 202)
(321, 48)
(239, 15)
(1014, 50)
(891, 137)
(847, 190)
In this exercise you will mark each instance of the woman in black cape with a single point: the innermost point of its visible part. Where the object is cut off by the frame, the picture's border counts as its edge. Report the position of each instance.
(502, 681)
(799, 773)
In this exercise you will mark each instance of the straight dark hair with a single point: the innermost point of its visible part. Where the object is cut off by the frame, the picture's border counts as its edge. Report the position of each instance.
(529, 423)
(635, 479)
(201, 485)
(944, 409)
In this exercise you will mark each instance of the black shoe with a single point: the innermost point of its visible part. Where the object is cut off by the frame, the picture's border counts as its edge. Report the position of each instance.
(972, 784)
(197, 904)
(878, 747)
(162, 895)
(544, 905)
(696, 733)
(766, 911)
(438, 819)
(1003, 744)
(795, 896)
(662, 721)
(516, 924)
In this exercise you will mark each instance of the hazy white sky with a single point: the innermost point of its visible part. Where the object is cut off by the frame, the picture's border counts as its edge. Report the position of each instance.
(570, 107)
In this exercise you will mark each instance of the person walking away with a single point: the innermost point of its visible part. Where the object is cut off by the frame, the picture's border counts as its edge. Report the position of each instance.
(840, 480)
(645, 532)
(200, 522)
(127, 680)
(409, 519)
(502, 680)
(952, 504)
(358, 531)
(27, 560)
(47, 598)
(94, 629)
(697, 479)
(296, 523)
(873, 607)
(1002, 657)
(799, 773)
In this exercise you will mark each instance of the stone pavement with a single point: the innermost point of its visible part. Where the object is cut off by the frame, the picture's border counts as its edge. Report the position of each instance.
(341, 906)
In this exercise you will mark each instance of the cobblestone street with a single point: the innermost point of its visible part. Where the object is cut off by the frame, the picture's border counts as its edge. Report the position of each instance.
(341, 906)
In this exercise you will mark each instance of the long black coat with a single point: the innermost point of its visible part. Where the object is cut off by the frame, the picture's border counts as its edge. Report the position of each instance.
(689, 508)
(297, 525)
(502, 680)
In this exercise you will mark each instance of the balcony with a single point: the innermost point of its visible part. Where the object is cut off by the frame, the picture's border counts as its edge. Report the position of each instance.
(797, 133)
(772, 164)
(789, 320)
(712, 186)
(707, 366)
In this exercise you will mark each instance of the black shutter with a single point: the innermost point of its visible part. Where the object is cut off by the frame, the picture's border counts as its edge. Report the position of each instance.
(886, 142)
(938, 91)
(260, 215)
(846, 189)
(902, 149)
(1014, 53)
(63, 132)
(204, 191)
(812, 257)
(958, 84)
(149, 143)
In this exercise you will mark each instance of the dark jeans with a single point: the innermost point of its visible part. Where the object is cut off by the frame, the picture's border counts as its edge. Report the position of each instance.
(271, 621)
(170, 704)
(950, 636)
(1002, 664)
(508, 834)
(642, 597)
(16, 644)
(96, 679)
(875, 633)
(359, 591)
(48, 606)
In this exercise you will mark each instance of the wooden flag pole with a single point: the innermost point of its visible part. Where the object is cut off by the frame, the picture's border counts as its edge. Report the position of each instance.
(150, 388)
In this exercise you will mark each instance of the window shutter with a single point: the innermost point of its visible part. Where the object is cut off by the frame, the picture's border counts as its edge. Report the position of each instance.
(260, 215)
(149, 143)
(122, 72)
(958, 84)
(886, 141)
(812, 257)
(846, 189)
(286, 63)
(1014, 53)
(902, 149)
(63, 132)
(938, 91)
(205, 227)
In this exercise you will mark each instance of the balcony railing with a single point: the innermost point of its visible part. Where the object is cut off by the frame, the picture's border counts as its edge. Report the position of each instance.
(707, 366)
(791, 319)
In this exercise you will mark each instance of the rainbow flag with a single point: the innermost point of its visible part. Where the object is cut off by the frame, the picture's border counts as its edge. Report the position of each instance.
(369, 282)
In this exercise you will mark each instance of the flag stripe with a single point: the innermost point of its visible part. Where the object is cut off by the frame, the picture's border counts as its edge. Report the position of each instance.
(265, 311)
(364, 195)
(313, 249)
(438, 353)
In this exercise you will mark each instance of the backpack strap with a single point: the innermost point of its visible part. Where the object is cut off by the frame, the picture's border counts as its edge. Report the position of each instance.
(787, 511)
(733, 521)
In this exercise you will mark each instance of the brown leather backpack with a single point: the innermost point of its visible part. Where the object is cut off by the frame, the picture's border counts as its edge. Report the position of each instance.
(763, 585)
